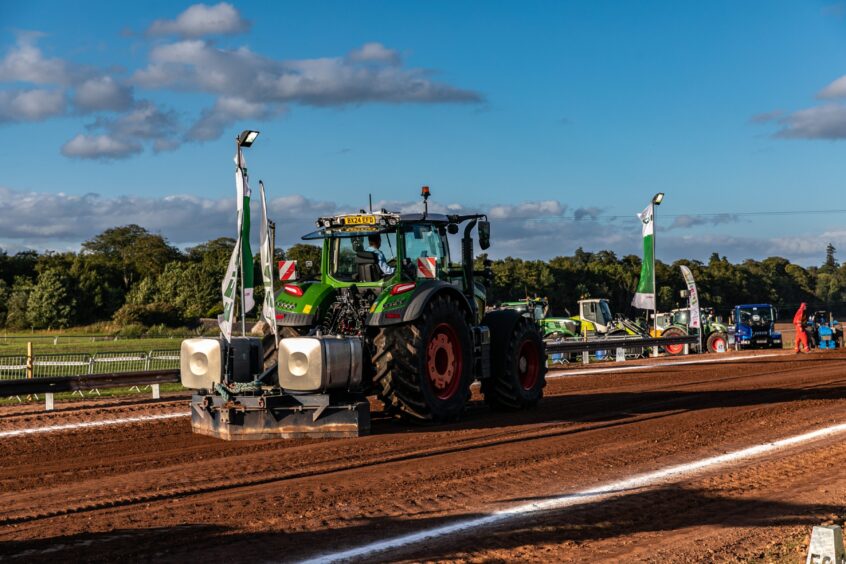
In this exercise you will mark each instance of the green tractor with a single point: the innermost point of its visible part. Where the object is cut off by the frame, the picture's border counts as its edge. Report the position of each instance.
(538, 309)
(716, 337)
(391, 315)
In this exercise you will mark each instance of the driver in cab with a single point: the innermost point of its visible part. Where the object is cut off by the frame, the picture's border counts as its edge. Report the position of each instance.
(374, 242)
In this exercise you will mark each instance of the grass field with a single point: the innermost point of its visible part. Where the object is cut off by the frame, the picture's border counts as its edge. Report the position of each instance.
(71, 344)
(111, 392)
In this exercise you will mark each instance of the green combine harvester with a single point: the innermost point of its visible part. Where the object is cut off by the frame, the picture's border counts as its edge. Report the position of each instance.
(391, 315)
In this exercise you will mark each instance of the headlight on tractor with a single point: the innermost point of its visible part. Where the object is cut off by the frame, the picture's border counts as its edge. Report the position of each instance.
(201, 363)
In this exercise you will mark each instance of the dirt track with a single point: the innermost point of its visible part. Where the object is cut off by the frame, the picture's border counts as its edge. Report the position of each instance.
(154, 491)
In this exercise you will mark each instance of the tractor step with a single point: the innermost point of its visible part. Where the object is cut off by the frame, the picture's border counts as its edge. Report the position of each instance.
(278, 417)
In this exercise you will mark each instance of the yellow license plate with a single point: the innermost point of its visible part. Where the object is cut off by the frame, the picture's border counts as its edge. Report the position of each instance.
(359, 220)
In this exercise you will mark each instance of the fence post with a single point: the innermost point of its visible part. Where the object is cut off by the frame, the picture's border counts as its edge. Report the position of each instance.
(49, 401)
(621, 354)
(585, 357)
(29, 361)
(156, 394)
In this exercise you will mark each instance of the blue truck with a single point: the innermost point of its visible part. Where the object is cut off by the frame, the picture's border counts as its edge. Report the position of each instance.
(754, 327)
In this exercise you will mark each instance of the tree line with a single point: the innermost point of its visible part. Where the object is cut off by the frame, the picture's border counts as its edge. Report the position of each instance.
(129, 277)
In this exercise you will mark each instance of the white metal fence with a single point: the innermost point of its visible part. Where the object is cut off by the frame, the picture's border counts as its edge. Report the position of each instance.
(75, 364)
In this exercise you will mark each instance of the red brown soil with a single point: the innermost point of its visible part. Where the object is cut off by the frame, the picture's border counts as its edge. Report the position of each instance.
(154, 491)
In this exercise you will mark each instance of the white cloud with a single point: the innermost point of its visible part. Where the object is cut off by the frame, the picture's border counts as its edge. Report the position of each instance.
(528, 210)
(687, 221)
(26, 63)
(104, 147)
(125, 135)
(591, 213)
(30, 105)
(837, 89)
(45, 220)
(822, 122)
(196, 65)
(102, 93)
(225, 111)
(374, 52)
(201, 19)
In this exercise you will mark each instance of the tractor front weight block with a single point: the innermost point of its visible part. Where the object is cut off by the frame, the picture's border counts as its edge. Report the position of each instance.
(280, 416)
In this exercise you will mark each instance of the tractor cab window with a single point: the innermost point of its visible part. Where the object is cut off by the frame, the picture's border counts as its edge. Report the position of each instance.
(756, 315)
(598, 312)
(422, 241)
(343, 252)
(606, 313)
(682, 317)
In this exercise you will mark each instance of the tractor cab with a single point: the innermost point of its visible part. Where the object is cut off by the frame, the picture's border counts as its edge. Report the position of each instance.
(595, 315)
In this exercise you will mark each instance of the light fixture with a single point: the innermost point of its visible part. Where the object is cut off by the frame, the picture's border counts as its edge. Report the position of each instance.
(247, 137)
(658, 198)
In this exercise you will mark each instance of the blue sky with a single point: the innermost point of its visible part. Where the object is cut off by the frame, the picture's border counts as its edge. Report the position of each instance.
(125, 112)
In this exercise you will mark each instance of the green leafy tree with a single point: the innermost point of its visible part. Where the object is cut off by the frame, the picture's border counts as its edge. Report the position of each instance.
(303, 253)
(17, 305)
(132, 250)
(50, 304)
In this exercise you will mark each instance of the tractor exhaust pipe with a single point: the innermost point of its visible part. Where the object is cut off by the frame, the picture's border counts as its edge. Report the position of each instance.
(467, 263)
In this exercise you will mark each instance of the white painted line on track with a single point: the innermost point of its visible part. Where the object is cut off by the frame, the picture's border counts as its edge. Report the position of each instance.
(592, 495)
(89, 424)
(567, 373)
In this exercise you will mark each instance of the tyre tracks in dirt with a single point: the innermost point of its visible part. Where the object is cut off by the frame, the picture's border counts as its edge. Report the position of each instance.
(149, 481)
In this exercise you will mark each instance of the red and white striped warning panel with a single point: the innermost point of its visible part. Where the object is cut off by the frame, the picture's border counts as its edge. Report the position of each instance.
(287, 270)
(427, 267)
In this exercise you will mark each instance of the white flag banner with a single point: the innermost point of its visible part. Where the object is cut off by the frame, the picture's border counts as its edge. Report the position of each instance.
(242, 191)
(268, 309)
(645, 296)
(692, 297)
(229, 289)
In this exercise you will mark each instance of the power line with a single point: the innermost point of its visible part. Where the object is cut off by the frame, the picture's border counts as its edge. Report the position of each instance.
(727, 215)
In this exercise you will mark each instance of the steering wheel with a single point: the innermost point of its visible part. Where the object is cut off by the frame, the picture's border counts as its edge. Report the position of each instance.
(393, 262)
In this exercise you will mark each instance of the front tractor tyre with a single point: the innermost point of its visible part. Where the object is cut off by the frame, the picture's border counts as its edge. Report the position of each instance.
(424, 368)
(717, 343)
(518, 362)
(674, 332)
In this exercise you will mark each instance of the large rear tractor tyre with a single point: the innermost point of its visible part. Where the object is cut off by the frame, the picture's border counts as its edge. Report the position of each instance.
(717, 343)
(518, 363)
(424, 368)
(673, 350)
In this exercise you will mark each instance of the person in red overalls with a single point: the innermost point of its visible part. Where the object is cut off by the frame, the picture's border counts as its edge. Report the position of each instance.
(799, 325)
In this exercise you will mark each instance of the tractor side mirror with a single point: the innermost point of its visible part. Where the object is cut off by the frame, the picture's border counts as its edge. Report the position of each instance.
(452, 228)
(484, 234)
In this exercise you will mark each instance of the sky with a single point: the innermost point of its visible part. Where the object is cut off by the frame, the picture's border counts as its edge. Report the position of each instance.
(558, 119)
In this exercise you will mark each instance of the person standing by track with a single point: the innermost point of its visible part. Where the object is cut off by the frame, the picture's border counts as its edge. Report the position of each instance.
(799, 325)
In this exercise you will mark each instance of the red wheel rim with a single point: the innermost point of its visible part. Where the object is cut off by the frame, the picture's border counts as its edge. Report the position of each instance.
(719, 345)
(444, 361)
(528, 365)
(675, 349)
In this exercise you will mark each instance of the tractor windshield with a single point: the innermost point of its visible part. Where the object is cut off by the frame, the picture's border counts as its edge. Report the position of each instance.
(606, 312)
(345, 255)
(422, 241)
(682, 317)
(757, 315)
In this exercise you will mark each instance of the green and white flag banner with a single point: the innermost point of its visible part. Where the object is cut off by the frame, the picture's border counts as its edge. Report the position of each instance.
(229, 289)
(692, 296)
(242, 189)
(645, 296)
(268, 309)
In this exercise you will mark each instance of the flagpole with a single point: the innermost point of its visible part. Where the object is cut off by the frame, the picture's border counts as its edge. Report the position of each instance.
(654, 288)
(241, 254)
